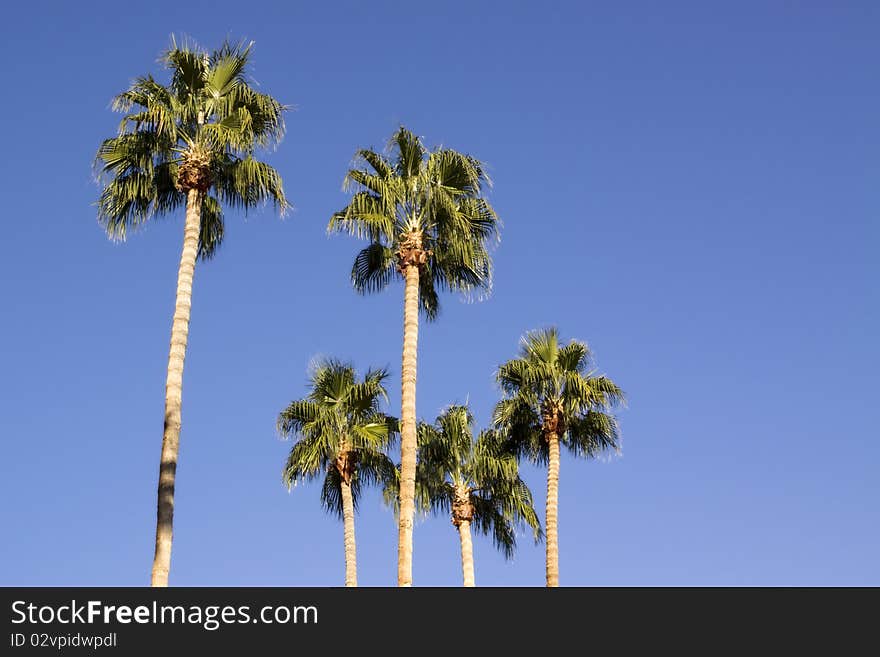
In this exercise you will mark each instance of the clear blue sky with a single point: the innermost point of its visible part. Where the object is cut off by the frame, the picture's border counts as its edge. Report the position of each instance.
(692, 188)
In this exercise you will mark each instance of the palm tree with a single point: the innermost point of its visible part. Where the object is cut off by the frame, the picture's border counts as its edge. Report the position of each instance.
(427, 222)
(552, 397)
(340, 431)
(188, 143)
(478, 481)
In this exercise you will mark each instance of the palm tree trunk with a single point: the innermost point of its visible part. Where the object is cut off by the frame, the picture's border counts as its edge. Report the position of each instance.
(467, 552)
(408, 427)
(174, 387)
(552, 511)
(348, 522)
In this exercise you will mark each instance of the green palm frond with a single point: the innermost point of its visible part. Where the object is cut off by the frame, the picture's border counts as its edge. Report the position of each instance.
(576, 392)
(226, 72)
(592, 434)
(375, 469)
(266, 115)
(369, 435)
(377, 162)
(331, 493)
(247, 183)
(367, 216)
(169, 198)
(541, 346)
(410, 153)
(606, 393)
(488, 518)
(306, 459)
(157, 109)
(429, 301)
(131, 152)
(297, 416)
(518, 419)
(380, 186)
(126, 202)
(491, 461)
(373, 268)
(391, 490)
(573, 357)
(211, 230)
(366, 395)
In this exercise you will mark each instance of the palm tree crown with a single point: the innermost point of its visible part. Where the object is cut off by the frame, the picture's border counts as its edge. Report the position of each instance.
(477, 481)
(549, 389)
(340, 431)
(422, 209)
(198, 132)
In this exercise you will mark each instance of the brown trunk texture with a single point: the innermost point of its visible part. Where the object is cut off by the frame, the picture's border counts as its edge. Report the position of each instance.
(348, 522)
(553, 511)
(408, 427)
(467, 552)
(174, 388)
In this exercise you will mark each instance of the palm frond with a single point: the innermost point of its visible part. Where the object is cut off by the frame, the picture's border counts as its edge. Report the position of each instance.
(373, 268)
(606, 393)
(331, 493)
(429, 302)
(377, 162)
(375, 469)
(226, 70)
(125, 203)
(211, 229)
(296, 416)
(573, 357)
(410, 153)
(247, 183)
(307, 458)
(592, 434)
(541, 346)
(367, 217)
(488, 518)
(266, 115)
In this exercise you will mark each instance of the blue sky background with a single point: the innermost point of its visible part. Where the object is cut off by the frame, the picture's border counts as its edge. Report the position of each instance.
(692, 188)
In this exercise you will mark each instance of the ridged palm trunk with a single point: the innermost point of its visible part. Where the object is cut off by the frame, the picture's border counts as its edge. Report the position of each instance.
(348, 523)
(467, 552)
(552, 510)
(462, 514)
(408, 426)
(174, 388)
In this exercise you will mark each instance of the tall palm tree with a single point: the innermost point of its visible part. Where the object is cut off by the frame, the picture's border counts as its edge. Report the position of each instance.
(427, 222)
(551, 397)
(477, 481)
(189, 143)
(340, 431)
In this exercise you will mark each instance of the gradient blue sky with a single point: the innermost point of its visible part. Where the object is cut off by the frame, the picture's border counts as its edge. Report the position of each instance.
(692, 188)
